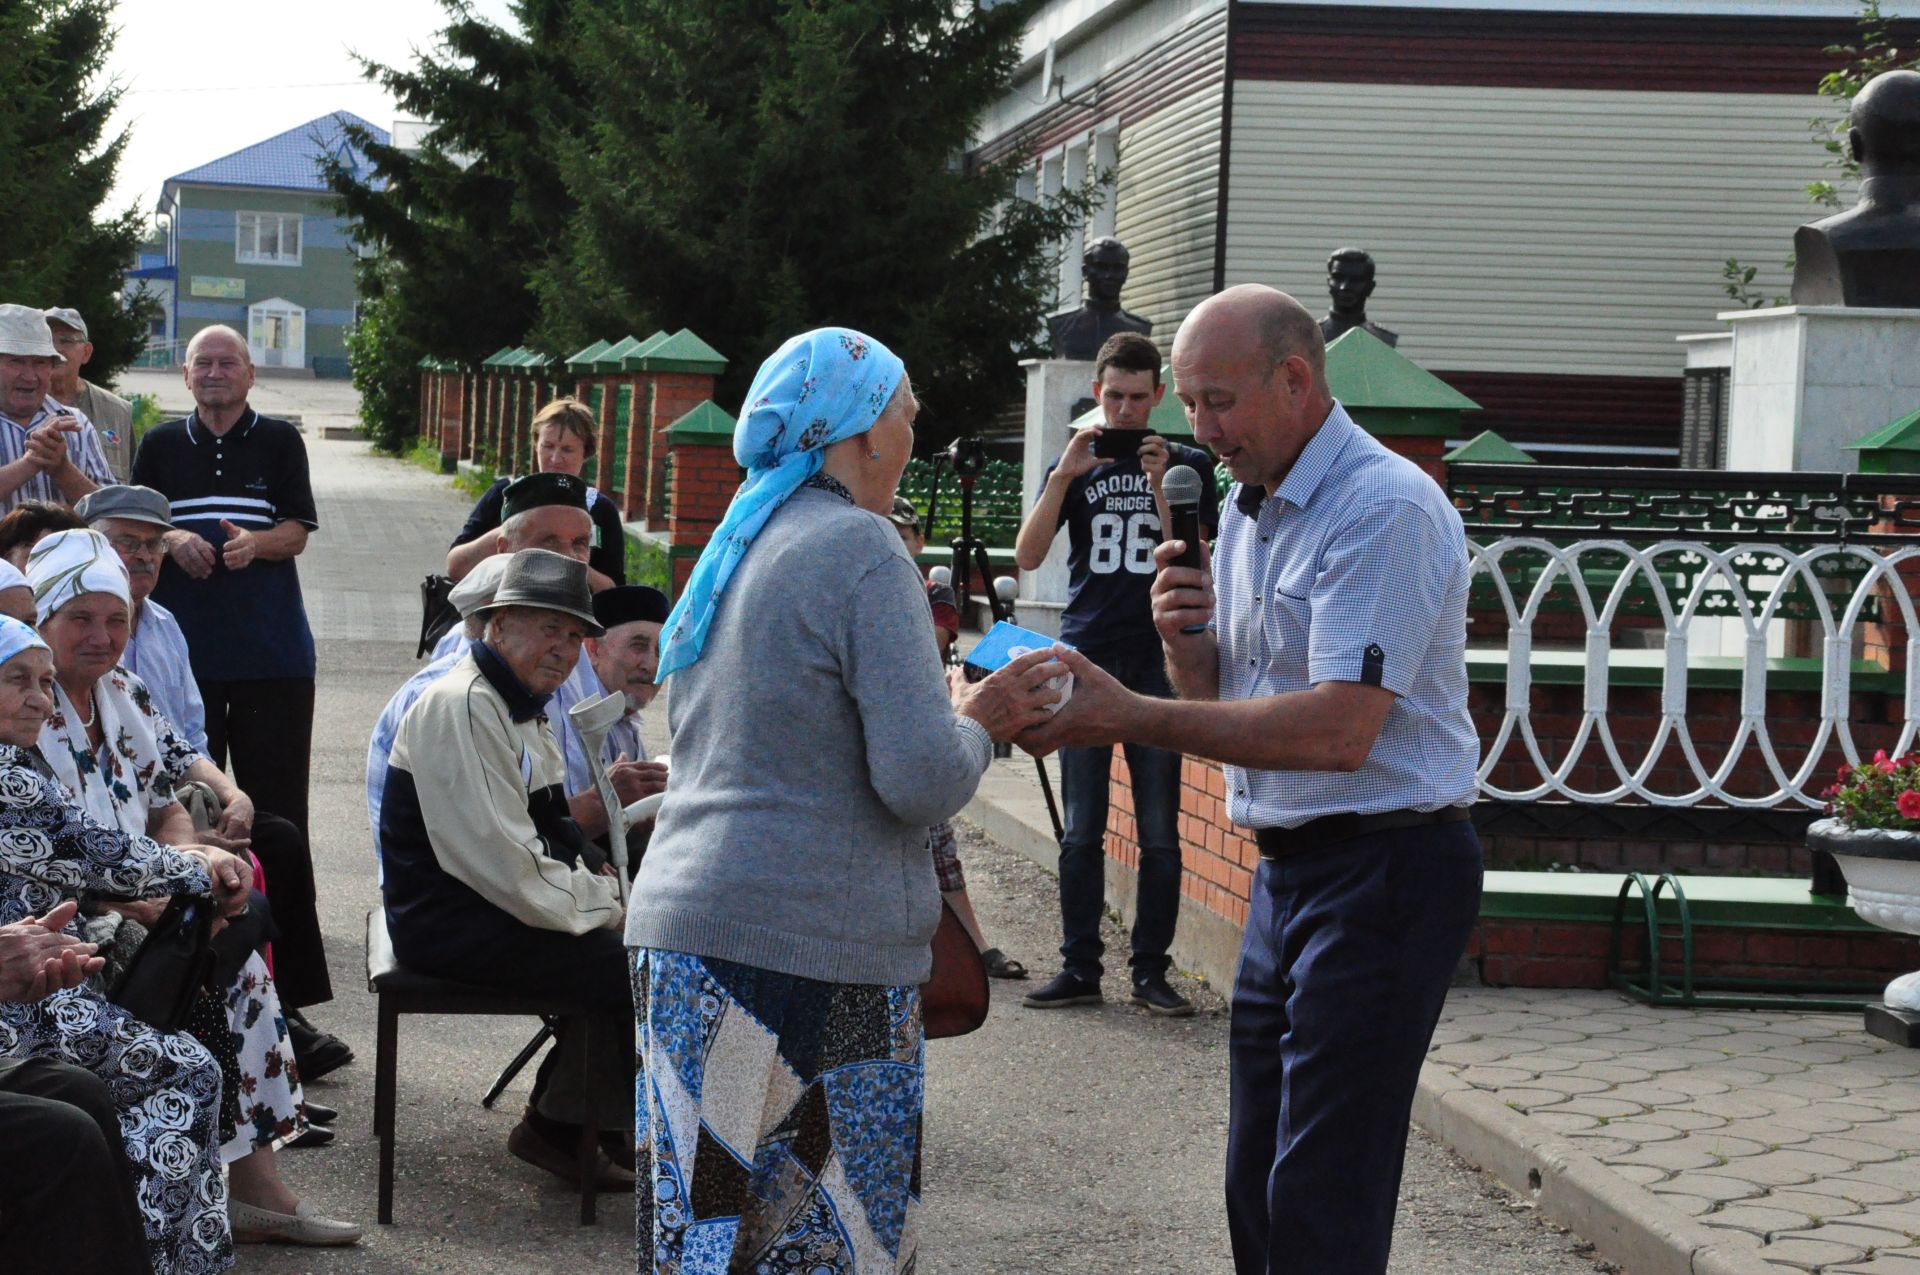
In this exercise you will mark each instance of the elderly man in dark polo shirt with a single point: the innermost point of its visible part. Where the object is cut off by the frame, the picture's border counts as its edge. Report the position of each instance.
(242, 508)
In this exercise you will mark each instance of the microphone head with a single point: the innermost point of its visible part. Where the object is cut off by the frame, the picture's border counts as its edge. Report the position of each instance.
(1181, 486)
(941, 575)
(1006, 588)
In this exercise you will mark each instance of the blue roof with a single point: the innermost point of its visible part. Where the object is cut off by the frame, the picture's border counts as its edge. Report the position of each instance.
(286, 161)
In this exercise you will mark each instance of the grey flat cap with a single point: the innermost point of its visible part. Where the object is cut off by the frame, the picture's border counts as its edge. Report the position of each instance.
(549, 581)
(69, 316)
(137, 504)
(24, 332)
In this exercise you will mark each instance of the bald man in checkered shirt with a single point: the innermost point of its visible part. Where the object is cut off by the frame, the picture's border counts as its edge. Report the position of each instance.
(1329, 678)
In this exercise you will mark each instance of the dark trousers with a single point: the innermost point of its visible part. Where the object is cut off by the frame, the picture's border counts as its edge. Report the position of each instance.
(1348, 954)
(588, 968)
(299, 956)
(267, 724)
(1084, 783)
(66, 1191)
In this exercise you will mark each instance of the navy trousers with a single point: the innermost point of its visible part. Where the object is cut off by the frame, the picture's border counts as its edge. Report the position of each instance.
(1349, 951)
(1085, 780)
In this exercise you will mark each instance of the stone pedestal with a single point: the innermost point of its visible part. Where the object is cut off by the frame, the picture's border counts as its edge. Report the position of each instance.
(1808, 380)
(1053, 386)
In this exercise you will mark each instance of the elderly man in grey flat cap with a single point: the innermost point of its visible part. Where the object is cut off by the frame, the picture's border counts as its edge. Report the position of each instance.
(48, 451)
(111, 415)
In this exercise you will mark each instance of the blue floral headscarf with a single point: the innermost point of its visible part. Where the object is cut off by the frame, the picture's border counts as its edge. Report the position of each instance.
(16, 637)
(818, 388)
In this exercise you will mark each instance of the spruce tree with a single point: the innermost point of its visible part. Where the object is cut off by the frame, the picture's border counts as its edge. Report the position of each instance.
(756, 167)
(58, 160)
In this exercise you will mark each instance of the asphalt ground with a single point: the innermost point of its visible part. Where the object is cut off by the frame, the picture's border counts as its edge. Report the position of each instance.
(1066, 1142)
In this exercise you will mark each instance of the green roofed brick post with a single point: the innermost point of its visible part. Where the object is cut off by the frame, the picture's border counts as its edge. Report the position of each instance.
(626, 446)
(452, 387)
(680, 369)
(423, 422)
(1894, 448)
(703, 477)
(590, 388)
(1487, 448)
(494, 404)
(1396, 400)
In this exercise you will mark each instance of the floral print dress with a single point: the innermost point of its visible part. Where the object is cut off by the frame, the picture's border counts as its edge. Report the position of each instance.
(135, 771)
(166, 1087)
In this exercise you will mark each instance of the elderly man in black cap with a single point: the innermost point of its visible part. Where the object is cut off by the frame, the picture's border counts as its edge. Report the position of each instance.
(488, 879)
(538, 512)
(622, 661)
(135, 521)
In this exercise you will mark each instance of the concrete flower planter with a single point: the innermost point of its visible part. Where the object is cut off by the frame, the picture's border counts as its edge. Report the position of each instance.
(1882, 868)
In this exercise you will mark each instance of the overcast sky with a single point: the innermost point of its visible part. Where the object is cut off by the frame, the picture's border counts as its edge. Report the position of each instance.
(207, 78)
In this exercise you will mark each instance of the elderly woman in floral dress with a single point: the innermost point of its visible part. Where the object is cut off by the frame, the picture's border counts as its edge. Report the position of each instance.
(166, 1087)
(122, 761)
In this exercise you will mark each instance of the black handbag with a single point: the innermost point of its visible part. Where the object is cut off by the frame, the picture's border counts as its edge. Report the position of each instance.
(170, 970)
(437, 615)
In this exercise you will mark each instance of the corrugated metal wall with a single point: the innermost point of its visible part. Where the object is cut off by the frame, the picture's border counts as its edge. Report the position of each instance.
(1520, 230)
(1166, 206)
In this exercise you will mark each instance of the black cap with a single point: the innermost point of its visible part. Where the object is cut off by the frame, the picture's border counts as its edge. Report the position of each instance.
(538, 490)
(904, 514)
(628, 603)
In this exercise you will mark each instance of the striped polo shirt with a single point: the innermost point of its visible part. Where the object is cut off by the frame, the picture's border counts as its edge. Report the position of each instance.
(1355, 570)
(83, 446)
(250, 624)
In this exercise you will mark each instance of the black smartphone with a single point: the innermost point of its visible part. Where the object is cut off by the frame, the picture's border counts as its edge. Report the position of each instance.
(1119, 444)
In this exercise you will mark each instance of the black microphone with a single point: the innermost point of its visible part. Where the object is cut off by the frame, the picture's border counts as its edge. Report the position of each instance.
(1181, 489)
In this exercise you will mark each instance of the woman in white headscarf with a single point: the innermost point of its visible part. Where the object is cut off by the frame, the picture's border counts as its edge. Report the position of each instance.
(122, 761)
(165, 1086)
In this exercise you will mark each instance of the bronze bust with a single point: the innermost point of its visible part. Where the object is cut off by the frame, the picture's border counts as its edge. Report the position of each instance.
(1870, 254)
(1079, 334)
(1349, 284)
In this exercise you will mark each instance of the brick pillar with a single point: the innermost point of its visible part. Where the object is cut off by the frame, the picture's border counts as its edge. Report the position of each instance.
(1425, 450)
(636, 462)
(702, 477)
(426, 399)
(672, 395)
(451, 385)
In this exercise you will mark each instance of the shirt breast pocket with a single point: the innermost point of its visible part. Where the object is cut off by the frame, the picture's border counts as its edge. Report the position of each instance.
(1286, 619)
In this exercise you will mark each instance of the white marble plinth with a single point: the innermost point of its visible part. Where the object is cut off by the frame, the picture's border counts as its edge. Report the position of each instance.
(1808, 380)
(1053, 386)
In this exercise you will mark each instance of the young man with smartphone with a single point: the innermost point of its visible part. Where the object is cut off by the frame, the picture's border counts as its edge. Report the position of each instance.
(1105, 490)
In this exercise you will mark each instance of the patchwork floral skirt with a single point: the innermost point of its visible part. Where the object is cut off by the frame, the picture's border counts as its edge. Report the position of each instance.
(781, 1119)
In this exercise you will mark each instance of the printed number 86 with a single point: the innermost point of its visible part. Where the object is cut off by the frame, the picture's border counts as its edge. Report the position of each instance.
(1131, 540)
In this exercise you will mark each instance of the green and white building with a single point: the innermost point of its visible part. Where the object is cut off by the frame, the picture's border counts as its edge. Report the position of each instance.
(255, 241)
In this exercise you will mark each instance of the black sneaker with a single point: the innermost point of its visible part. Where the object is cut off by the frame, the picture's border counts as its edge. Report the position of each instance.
(1067, 988)
(1158, 996)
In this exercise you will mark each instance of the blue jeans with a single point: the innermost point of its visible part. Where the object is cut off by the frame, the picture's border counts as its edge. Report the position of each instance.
(1084, 781)
(1349, 951)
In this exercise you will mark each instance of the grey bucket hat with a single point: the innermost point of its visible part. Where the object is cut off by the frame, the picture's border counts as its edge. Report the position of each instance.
(549, 581)
(24, 332)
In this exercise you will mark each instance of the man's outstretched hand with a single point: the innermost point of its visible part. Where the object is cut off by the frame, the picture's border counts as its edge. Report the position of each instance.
(1099, 711)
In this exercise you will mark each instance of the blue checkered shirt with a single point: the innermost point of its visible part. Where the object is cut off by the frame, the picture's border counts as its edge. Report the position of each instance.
(83, 446)
(1354, 571)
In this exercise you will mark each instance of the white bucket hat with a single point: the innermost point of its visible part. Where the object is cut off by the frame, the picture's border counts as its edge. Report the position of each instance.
(24, 332)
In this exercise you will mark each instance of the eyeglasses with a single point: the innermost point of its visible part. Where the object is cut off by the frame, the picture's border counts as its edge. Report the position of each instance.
(133, 544)
(70, 338)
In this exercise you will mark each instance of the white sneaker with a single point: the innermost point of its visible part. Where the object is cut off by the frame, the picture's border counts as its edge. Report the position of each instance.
(253, 1225)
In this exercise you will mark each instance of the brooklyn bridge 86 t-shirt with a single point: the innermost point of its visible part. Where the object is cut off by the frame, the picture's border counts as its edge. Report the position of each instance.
(1112, 530)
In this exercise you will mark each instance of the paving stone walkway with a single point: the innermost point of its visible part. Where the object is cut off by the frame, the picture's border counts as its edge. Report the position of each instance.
(1796, 1134)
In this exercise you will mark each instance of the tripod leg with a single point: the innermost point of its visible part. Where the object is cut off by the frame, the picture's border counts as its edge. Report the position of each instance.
(1046, 790)
(521, 1059)
(1002, 609)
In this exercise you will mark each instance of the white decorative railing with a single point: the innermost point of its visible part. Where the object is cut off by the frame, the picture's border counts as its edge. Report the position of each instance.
(1717, 595)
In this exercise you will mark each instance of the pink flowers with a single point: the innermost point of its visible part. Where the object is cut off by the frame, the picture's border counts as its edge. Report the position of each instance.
(1881, 793)
(1909, 804)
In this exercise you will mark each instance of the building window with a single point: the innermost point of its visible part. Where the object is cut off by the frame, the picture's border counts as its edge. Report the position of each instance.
(272, 239)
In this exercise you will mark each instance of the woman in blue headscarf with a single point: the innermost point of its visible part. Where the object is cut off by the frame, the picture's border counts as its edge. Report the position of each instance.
(780, 921)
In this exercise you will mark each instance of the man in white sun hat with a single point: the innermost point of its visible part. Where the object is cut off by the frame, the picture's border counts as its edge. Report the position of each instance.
(47, 451)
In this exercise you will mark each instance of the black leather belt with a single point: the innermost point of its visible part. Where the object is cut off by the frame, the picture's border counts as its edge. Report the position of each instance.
(1277, 843)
